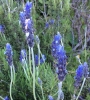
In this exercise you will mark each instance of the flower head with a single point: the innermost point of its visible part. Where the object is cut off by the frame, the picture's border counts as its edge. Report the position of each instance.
(27, 9)
(50, 22)
(42, 60)
(57, 38)
(27, 23)
(30, 28)
(36, 60)
(50, 97)
(26, 19)
(22, 20)
(46, 24)
(56, 47)
(59, 54)
(61, 72)
(23, 55)
(39, 81)
(85, 69)
(1, 28)
(9, 54)
(78, 76)
(30, 40)
(37, 39)
(6, 98)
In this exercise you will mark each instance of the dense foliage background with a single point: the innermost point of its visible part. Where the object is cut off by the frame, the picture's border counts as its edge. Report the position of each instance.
(69, 17)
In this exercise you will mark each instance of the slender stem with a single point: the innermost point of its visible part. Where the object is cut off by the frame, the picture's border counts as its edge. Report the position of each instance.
(73, 96)
(11, 83)
(81, 88)
(12, 3)
(59, 90)
(9, 10)
(55, 94)
(54, 1)
(4, 36)
(33, 73)
(38, 46)
(42, 92)
(42, 56)
(1, 98)
(45, 11)
(85, 43)
(13, 71)
(62, 42)
(38, 54)
(30, 60)
(25, 71)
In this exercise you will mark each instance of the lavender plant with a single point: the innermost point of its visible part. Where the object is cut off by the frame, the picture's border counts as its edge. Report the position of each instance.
(27, 26)
(9, 58)
(59, 55)
(81, 74)
(28, 29)
(56, 15)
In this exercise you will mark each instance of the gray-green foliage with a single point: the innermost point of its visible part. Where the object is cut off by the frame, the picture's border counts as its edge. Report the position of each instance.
(43, 11)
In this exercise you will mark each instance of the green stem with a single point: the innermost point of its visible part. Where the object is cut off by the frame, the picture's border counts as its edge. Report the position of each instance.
(38, 46)
(85, 43)
(38, 54)
(45, 11)
(9, 11)
(42, 56)
(81, 88)
(11, 83)
(13, 71)
(12, 3)
(59, 90)
(55, 94)
(30, 60)
(25, 71)
(42, 92)
(33, 73)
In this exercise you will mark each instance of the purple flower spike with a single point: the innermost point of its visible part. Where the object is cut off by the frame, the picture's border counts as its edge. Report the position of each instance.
(59, 54)
(23, 55)
(47, 25)
(85, 69)
(42, 60)
(78, 76)
(39, 81)
(57, 38)
(9, 54)
(61, 73)
(1, 28)
(51, 21)
(30, 27)
(22, 20)
(50, 97)
(36, 60)
(27, 23)
(28, 8)
(6, 98)
(30, 40)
